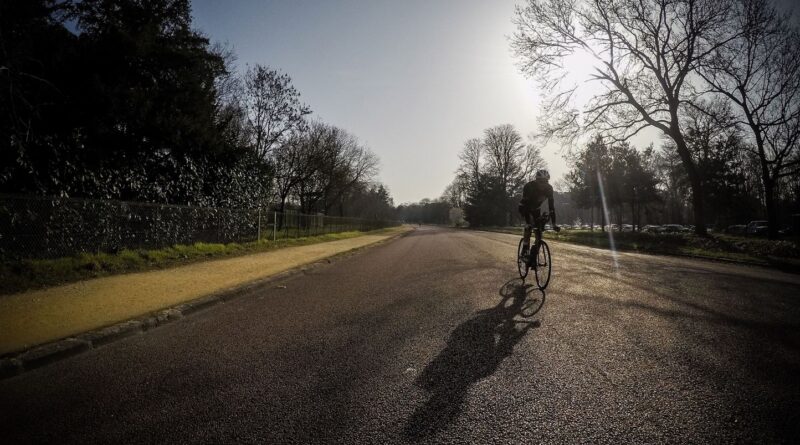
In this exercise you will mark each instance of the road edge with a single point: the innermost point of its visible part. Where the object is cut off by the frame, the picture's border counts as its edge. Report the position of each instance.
(663, 254)
(18, 362)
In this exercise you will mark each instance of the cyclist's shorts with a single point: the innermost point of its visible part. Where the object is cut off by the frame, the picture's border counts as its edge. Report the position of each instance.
(528, 211)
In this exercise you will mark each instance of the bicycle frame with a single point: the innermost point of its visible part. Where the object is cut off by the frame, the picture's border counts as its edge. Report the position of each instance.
(532, 261)
(537, 227)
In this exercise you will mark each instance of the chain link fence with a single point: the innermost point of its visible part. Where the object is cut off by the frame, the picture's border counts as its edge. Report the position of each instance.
(48, 227)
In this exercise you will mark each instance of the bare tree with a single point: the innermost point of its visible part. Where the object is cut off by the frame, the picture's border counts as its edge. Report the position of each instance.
(273, 107)
(504, 150)
(759, 72)
(322, 140)
(644, 53)
(503, 147)
(493, 170)
(341, 165)
(357, 164)
(295, 161)
(471, 158)
(455, 192)
(230, 112)
(509, 159)
(533, 159)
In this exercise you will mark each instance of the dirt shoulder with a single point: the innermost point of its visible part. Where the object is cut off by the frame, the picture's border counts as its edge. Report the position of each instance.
(39, 316)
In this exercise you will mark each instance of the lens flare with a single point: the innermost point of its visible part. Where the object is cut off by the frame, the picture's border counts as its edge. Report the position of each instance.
(605, 212)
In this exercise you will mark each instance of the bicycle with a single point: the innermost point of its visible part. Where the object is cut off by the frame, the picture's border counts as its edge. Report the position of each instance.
(540, 262)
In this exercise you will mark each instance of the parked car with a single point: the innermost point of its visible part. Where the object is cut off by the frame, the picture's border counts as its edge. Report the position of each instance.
(650, 228)
(627, 228)
(736, 229)
(672, 228)
(757, 228)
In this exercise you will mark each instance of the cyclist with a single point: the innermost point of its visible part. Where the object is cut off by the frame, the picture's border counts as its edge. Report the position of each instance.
(533, 196)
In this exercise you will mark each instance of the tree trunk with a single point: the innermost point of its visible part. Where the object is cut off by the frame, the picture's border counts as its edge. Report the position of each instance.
(603, 221)
(696, 183)
(282, 208)
(772, 208)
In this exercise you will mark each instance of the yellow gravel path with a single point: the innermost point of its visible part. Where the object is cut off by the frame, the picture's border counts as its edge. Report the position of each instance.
(35, 317)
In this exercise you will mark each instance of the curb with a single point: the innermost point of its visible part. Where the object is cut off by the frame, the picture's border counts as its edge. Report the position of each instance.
(16, 363)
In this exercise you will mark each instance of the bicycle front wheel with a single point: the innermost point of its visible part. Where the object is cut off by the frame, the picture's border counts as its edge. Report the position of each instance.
(543, 266)
(522, 265)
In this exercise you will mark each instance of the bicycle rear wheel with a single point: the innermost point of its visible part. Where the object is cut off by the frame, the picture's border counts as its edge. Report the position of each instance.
(543, 266)
(522, 265)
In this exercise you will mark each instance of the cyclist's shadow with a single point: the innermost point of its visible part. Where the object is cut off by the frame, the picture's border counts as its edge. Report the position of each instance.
(474, 351)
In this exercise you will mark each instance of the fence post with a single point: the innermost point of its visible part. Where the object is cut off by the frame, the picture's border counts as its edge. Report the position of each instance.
(274, 225)
(259, 224)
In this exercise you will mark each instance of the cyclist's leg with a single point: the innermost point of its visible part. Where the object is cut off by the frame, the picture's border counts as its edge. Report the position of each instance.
(538, 231)
(525, 212)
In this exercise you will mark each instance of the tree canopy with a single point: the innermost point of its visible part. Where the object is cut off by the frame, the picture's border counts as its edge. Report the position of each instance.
(127, 100)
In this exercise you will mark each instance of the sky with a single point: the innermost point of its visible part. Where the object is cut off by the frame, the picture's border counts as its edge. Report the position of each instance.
(412, 79)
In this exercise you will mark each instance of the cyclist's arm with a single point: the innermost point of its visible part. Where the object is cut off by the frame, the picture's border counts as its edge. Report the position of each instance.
(552, 207)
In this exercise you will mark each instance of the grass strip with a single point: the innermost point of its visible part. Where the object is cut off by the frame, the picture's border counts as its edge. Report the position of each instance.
(19, 276)
(782, 254)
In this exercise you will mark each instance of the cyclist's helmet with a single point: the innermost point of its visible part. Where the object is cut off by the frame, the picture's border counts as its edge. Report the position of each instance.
(543, 174)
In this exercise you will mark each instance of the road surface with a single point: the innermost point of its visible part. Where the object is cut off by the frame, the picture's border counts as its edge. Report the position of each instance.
(432, 338)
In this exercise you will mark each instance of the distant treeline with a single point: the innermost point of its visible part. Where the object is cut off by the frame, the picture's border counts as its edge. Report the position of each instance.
(651, 186)
(126, 100)
(640, 186)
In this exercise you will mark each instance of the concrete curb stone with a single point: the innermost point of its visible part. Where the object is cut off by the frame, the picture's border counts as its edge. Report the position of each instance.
(149, 323)
(9, 367)
(50, 352)
(199, 304)
(112, 333)
(168, 315)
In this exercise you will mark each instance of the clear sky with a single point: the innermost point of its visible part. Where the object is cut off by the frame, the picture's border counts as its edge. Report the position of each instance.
(412, 79)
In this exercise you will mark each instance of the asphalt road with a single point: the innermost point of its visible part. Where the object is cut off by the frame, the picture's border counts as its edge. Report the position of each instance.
(433, 338)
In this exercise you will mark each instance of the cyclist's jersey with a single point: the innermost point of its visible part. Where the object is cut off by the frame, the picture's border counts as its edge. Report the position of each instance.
(534, 193)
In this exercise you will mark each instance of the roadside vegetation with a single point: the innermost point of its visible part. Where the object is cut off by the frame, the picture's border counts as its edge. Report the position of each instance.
(784, 254)
(172, 149)
(38, 273)
(185, 124)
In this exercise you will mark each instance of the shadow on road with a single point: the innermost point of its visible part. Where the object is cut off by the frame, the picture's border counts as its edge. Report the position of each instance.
(474, 351)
